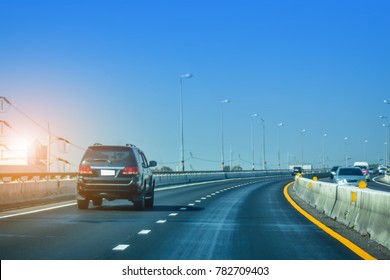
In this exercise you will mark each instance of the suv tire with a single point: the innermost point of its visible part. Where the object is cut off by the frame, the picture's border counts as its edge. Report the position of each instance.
(83, 204)
(139, 202)
(98, 201)
(149, 201)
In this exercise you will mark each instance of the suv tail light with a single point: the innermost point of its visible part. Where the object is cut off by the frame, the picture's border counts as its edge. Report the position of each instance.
(85, 169)
(130, 170)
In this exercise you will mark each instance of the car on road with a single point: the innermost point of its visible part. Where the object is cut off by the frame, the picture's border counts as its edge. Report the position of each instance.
(333, 171)
(296, 170)
(365, 169)
(382, 170)
(115, 172)
(349, 176)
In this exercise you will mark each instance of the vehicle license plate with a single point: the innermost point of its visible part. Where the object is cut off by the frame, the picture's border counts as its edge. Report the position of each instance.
(105, 172)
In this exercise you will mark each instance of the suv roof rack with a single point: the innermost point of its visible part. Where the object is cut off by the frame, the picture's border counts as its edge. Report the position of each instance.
(130, 145)
(97, 144)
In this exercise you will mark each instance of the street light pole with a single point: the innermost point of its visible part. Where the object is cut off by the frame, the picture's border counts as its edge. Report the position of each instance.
(346, 153)
(222, 142)
(386, 126)
(323, 150)
(302, 132)
(184, 76)
(279, 125)
(253, 140)
(264, 161)
(364, 149)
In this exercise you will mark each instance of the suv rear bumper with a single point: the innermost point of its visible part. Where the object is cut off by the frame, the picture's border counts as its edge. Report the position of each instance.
(89, 189)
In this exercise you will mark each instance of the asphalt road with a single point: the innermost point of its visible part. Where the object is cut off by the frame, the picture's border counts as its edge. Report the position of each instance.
(233, 219)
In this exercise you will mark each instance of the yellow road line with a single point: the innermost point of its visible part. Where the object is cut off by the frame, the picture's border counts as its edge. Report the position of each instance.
(353, 247)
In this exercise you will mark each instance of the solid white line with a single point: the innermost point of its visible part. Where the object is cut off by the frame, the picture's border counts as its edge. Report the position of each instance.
(37, 211)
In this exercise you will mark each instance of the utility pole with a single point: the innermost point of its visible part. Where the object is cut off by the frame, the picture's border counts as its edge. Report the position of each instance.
(48, 149)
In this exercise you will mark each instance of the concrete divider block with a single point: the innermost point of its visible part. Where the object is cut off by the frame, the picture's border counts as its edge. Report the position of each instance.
(319, 195)
(366, 211)
(374, 216)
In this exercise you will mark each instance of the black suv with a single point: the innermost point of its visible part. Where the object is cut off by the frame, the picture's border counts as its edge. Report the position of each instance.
(296, 170)
(115, 172)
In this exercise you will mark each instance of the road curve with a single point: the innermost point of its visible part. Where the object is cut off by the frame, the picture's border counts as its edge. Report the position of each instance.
(225, 220)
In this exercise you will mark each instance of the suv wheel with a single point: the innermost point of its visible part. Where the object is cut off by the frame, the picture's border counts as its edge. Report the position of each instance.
(139, 204)
(149, 200)
(83, 204)
(139, 201)
(98, 201)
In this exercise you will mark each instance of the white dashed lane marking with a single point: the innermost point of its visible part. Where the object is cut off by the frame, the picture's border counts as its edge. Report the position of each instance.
(144, 232)
(161, 221)
(120, 247)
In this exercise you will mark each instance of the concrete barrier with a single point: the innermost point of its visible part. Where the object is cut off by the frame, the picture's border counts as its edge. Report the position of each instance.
(366, 211)
(319, 195)
(16, 192)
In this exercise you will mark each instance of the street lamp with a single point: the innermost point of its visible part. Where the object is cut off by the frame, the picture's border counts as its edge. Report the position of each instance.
(253, 141)
(386, 126)
(323, 150)
(264, 161)
(222, 146)
(302, 132)
(184, 76)
(364, 149)
(279, 125)
(346, 154)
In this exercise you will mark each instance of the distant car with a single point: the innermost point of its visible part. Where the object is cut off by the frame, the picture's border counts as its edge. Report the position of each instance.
(365, 169)
(333, 171)
(115, 172)
(382, 170)
(296, 170)
(349, 176)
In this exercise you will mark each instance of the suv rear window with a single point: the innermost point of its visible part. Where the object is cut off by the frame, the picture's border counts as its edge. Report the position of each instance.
(107, 155)
(350, 171)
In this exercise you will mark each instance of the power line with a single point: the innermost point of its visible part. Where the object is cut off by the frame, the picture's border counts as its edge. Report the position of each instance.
(2, 98)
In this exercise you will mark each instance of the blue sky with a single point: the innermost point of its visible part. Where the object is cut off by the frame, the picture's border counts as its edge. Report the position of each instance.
(108, 71)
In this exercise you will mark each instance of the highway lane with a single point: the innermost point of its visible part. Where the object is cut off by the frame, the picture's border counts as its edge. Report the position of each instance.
(232, 219)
